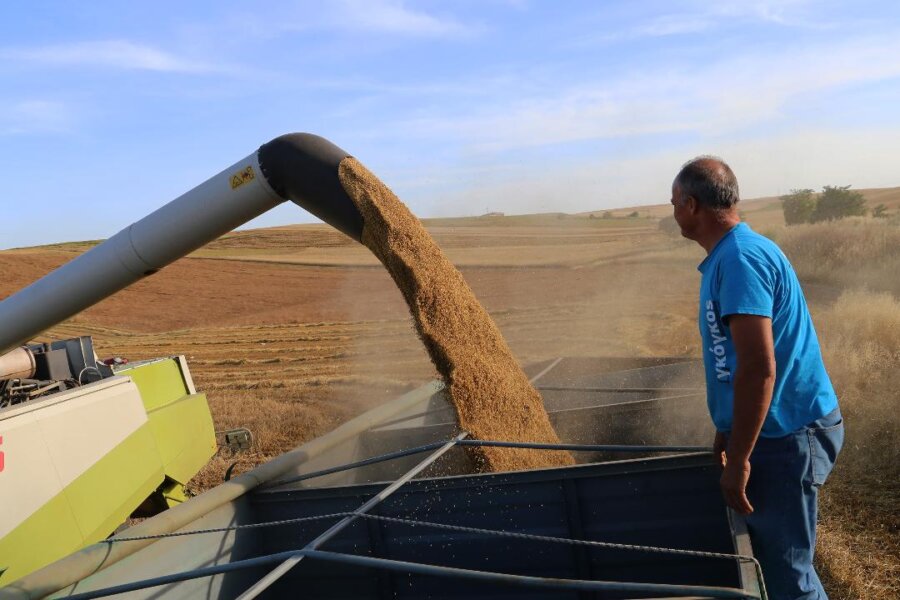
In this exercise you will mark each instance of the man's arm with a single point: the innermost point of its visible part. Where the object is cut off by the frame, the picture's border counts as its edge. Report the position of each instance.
(753, 383)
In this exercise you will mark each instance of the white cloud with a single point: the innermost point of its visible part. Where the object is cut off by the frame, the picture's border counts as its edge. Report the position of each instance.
(378, 17)
(34, 116)
(765, 166)
(118, 54)
(787, 13)
(393, 16)
(696, 17)
(712, 98)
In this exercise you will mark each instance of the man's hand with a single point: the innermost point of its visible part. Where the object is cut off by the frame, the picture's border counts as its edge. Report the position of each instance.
(734, 485)
(719, 448)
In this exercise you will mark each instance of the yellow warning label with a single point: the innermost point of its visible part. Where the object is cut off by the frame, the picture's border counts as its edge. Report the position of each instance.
(242, 177)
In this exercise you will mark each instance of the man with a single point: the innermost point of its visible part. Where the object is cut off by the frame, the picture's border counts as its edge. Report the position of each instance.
(778, 425)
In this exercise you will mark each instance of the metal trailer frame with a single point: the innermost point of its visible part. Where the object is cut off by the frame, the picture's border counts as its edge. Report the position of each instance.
(230, 503)
(284, 561)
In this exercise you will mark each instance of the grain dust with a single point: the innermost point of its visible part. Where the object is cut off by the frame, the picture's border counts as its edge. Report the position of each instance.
(491, 394)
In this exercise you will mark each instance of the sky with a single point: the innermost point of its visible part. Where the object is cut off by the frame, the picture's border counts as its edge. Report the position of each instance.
(111, 109)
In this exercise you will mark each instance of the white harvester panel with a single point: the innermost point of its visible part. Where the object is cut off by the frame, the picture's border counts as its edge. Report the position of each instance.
(48, 444)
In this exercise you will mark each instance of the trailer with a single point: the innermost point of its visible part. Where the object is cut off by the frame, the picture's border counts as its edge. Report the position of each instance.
(358, 514)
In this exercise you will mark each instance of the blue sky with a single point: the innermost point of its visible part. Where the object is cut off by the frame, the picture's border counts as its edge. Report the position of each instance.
(111, 109)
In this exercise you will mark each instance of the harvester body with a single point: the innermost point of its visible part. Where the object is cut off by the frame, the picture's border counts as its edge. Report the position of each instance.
(79, 462)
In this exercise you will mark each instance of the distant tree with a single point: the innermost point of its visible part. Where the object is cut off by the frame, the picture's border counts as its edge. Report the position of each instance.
(837, 202)
(607, 215)
(669, 226)
(634, 214)
(880, 212)
(798, 206)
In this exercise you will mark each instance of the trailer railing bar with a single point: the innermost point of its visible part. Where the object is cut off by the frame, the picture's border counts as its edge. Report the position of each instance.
(289, 563)
(426, 413)
(419, 449)
(638, 403)
(450, 410)
(562, 388)
(360, 463)
(683, 393)
(421, 569)
(545, 371)
(450, 527)
(530, 581)
(174, 534)
(558, 540)
(585, 447)
(689, 392)
(236, 565)
(492, 532)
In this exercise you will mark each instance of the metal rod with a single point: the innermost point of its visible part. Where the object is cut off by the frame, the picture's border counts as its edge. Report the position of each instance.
(450, 410)
(691, 392)
(559, 540)
(530, 581)
(422, 569)
(289, 563)
(558, 388)
(360, 463)
(150, 582)
(419, 449)
(585, 447)
(545, 371)
(436, 411)
(458, 528)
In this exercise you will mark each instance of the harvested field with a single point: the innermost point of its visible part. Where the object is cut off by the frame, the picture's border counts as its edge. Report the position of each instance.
(292, 347)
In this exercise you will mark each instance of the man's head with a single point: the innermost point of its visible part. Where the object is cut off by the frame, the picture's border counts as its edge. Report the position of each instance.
(704, 195)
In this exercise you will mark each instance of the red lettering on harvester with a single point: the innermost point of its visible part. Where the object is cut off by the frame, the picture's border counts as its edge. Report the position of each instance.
(1, 456)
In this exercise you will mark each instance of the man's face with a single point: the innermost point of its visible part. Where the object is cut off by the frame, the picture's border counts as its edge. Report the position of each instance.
(680, 210)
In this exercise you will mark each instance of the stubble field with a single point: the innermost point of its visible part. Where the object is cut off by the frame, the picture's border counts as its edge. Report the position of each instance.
(293, 330)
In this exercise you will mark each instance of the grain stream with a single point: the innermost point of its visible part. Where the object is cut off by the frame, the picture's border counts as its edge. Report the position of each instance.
(491, 394)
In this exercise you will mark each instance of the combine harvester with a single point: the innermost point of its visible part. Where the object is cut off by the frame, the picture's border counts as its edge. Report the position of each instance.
(385, 506)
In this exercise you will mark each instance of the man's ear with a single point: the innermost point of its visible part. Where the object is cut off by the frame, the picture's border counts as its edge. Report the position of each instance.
(692, 205)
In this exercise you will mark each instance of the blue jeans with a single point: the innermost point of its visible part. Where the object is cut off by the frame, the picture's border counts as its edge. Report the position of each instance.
(785, 475)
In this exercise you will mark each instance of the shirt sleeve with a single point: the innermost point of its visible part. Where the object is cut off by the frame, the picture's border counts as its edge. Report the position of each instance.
(747, 288)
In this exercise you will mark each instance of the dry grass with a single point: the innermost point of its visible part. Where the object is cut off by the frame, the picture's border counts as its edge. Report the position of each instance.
(859, 548)
(858, 552)
(860, 335)
(848, 253)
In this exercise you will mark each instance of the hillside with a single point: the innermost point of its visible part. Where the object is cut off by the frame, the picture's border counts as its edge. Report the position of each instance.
(292, 330)
(766, 211)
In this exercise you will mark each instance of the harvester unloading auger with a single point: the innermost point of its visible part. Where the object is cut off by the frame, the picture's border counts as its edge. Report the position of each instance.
(89, 443)
(299, 167)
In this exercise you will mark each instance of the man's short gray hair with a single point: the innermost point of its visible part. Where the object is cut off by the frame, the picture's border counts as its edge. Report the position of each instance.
(711, 181)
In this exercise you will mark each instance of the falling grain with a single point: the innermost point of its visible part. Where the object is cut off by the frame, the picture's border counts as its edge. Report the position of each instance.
(492, 395)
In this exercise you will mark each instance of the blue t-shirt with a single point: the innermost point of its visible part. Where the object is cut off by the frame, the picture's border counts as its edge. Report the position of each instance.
(748, 274)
